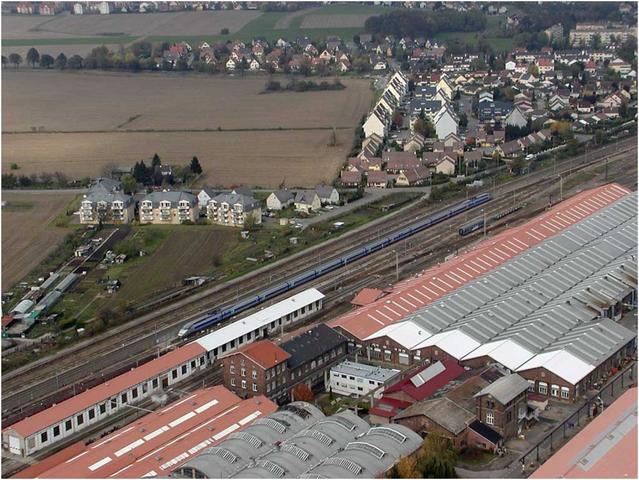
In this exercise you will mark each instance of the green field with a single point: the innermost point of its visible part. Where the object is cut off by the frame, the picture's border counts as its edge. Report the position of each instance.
(119, 39)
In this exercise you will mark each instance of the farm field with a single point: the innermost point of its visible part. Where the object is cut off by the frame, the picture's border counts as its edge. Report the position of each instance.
(27, 233)
(134, 118)
(194, 102)
(264, 159)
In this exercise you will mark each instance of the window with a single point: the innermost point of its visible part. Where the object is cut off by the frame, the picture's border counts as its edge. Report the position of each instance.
(232, 381)
(490, 418)
(254, 375)
(509, 417)
(531, 386)
(244, 384)
(79, 419)
(155, 383)
(124, 398)
(233, 343)
(371, 382)
(44, 436)
(255, 387)
(565, 393)
(268, 374)
(145, 388)
(91, 414)
(241, 340)
(103, 408)
(243, 372)
(114, 403)
(215, 352)
(224, 348)
(268, 387)
(313, 364)
(68, 425)
(184, 369)
(56, 431)
(554, 390)
(202, 360)
(134, 393)
(360, 389)
(174, 374)
(543, 388)
(403, 358)
(387, 355)
(193, 364)
(232, 369)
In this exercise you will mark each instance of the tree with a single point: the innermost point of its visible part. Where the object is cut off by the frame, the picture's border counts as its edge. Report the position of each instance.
(595, 42)
(533, 69)
(196, 168)
(46, 61)
(141, 172)
(156, 162)
(303, 393)
(129, 185)
(15, 59)
(398, 119)
(437, 458)
(60, 62)
(561, 129)
(224, 31)
(5, 61)
(75, 62)
(407, 467)
(463, 120)
(33, 57)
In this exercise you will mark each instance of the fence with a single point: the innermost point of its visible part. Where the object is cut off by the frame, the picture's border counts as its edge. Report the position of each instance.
(537, 454)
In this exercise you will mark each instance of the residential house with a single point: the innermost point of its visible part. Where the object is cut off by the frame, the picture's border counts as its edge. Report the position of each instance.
(327, 194)
(377, 179)
(411, 177)
(397, 162)
(307, 201)
(204, 197)
(375, 125)
(350, 178)
(172, 207)
(516, 118)
(446, 122)
(415, 143)
(445, 165)
(280, 199)
(234, 209)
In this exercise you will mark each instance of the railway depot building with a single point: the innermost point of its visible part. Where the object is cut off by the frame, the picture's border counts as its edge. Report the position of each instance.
(60, 421)
(547, 308)
(158, 442)
(299, 441)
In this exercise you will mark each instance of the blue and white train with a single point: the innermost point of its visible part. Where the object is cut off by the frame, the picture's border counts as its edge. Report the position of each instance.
(211, 319)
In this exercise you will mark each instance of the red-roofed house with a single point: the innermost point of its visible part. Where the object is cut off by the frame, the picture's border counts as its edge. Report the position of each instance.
(255, 369)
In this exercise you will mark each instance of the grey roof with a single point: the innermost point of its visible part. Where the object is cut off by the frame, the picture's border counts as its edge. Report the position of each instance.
(311, 344)
(172, 196)
(550, 292)
(324, 191)
(239, 449)
(305, 196)
(243, 190)
(284, 195)
(248, 203)
(362, 370)
(107, 190)
(442, 411)
(370, 455)
(307, 448)
(506, 388)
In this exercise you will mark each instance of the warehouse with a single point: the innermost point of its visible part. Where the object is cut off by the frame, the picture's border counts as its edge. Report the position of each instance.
(159, 441)
(60, 421)
(546, 313)
(432, 284)
(262, 323)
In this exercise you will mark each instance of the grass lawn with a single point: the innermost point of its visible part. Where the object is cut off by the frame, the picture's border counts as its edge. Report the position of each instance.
(475, 456)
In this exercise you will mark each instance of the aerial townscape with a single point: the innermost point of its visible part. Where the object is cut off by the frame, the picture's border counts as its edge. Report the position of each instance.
(319, 239)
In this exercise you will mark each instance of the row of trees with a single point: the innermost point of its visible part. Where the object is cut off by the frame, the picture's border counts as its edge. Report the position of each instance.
(303, 86)
(401, 23)
(43, 61)
(153, 174)
(42, 180)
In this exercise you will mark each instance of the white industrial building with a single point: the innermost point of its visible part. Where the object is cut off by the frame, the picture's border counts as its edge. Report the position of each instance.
(350, 378)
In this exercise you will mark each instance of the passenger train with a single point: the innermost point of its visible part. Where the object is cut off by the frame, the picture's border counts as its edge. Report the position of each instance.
(210, 319)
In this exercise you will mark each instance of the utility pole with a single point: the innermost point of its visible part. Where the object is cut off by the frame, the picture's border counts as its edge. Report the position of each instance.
(606, 175)
(484, 211)
(396, 265)
(561, 188)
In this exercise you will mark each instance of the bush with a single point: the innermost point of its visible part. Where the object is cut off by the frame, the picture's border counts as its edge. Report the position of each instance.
(224, 31)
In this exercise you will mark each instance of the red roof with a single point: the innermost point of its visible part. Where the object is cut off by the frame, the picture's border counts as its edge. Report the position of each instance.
(425, 390)
(6, 320)
(410, 295)
(388, 407)
(104, 391)
(162, 440)
(265, 353)
(366, 296)
(605, 448)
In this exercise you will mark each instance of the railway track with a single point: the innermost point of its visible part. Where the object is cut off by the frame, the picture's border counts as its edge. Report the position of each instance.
(110, 358)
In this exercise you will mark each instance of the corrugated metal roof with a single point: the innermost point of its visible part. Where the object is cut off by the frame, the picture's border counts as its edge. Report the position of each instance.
(411, 295)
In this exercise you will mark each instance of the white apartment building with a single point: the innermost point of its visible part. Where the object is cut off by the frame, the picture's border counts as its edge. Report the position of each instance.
(350, 378)
(233, 209)
(168, 207)
(106, 203)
